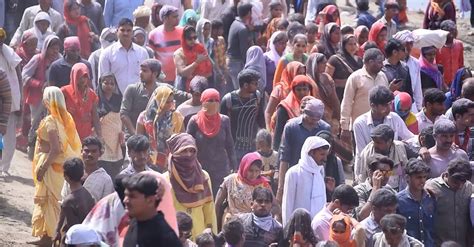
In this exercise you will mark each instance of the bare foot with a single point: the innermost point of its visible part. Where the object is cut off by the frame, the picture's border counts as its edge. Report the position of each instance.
(44, 241)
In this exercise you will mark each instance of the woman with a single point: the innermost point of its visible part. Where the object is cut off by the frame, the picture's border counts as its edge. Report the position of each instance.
(345, 62)
(272, 27)
(191, 59)
(431, 77)
(108, 110)
(40, 28)
(203, 31)
(79, 25)
(402, 106)
(330, 41)
(342, 227)
(276, 49)
(456, 86)
(283, 88)
(299, 48)
(237, 188)
(437, 11)
(81, 102)
(362, 35)
(298, 232)
(377, 34)
(256, 61)
(289, 108)
(190, 184)
(214, 138)
(27, 48)
(57, 141)
(34, 79)
(189, 18)
(159, 121)
(329, 14)
(140, 37)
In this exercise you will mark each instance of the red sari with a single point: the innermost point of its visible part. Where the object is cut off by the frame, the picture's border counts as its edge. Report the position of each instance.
(83, 31)
(191, 53)
(374, 32)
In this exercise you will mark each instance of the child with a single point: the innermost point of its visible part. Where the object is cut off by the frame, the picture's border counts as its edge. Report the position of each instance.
(185, 226)
(233, 232)
(340, 232)
(451, 55)
(205, 240)
(311, 34)
(76, 205)
(269, 157)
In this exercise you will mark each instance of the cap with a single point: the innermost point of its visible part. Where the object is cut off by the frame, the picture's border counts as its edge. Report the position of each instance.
(314, 108)
(84, 235)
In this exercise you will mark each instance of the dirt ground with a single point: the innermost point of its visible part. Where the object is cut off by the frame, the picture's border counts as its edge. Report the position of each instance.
(16, 193)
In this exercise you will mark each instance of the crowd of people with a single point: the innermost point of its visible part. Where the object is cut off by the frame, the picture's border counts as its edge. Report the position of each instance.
(239, 123)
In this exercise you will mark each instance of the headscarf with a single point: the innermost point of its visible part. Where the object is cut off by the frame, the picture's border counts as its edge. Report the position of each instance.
(208, 118)
(272, 27)
(438, 6)
(374, 32)
(113, 105)
(358, 31)
(187, 15)
(329, 49)
(199, 31)
(256, 61)
(329, 11)
(78, 71)
(83, 30)
(140, 30)
(105, 32)
(71, 42)
(244, 167)
(402, 100)
(27, 35)
(142, 11)
(311, 66)
(456, 87)
(291, 103)
(191, 53)
(44, 61)
(56, 105)
(271, 51)
(41, 16)
(431, 69)
(288, 74)
(354, 64)
(189, 183)
(343, 239)
(299, 228)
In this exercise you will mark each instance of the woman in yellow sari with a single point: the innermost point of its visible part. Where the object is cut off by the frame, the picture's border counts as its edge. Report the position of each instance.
(57, 140)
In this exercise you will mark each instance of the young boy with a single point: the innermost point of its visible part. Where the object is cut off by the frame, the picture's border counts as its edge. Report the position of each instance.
(233, 232)
(76, 205)
(451, 55)
(205, 240)
(269, 157)
(185, 226)
(312, 35)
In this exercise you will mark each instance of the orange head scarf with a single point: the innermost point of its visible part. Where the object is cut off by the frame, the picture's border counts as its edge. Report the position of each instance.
(83, 29)
(291, 103)
(78, 71)
(244, 167)
(191, 53)
(288, 74)
(343, 239)
(374, 35)
(330, 10)
(208, 118)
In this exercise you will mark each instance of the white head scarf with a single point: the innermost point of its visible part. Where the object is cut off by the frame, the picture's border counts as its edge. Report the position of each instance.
(272, 52)
(41, 16)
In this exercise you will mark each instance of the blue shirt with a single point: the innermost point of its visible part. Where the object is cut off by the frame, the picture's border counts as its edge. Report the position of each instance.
(115, 10)
(420, 216)
(294, 136)
(366, 19)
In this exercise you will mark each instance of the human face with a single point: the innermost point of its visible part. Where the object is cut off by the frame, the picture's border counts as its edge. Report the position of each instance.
(280, 46)
(169, 104)
(311, 122)
(75, 11)
(393, 236)
(374, 66)
(136, 203)
(444, 141)
(188, 152)
(381, 146)
(335, 35)
(430, 55)
(53, 49)
(311, 36)
(30, 45)
(417, 181)
(83, 82)
(42, 25)
(299, 47)
(254, 171)
(381, 111)
(146, 74)
(351, 46)
(319, 155)
(124, 33)
(346, 209)
(252, 86)
(139, 39)
(467, 119)
(191, 39)
(339, 227)
(322, 65)
(436, 108)
(196, 98)
(382, 35)
(379, 213)
(363, 37)
(73, 53)
(184, 235)
(139, 158)
(263, 146)
(108, 85)
(206, 30)
(171, 19)
(91, 154)
(455, 184)
(301, 91)
(143, 21)
(276, 12)
(391, 12)
(261, 206)
(301, 70)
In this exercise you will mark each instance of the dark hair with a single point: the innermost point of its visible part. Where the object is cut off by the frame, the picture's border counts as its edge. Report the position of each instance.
(138, 143)
(264, 135)
(347, 30)
(371, 53)
(311, 27)
(152, 64)
(204, 239)
(69, 3)
(346, 194)
(296, 17)
(393, 45)
(283, 22)
(433, 95)
(244, 9)
(392, 5)
(125, 22)
(378, 159)
(461, 107)
(467, 90)
(295, 28)
(262, 192)
(216, 24)
(92, 140)
(447, 25)
(384, 198)
(74, 169)
(460, 169)
(143, 183)
(233, 231)
(247, 75)
(393, 222)
(427, 49)
(274, 4)
(362, 5)
(185, 222)
(380, 95)
(302, 217)
(384, 132)
(187, 30)
(416, 166)
(119, 185)
(427, 133)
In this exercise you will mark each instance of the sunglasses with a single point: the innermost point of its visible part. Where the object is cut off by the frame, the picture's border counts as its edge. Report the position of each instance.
(386, 173)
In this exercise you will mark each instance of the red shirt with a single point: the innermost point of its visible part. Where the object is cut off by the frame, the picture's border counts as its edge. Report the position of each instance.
(452, 59)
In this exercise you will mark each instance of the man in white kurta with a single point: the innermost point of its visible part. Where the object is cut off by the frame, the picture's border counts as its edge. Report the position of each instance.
(304, 182)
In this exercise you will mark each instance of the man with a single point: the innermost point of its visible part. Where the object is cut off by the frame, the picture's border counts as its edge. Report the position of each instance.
(355, 103)
(296, 131)
(452, 191)
(141, 18)
(364, 17)
(444, 132)
(166, 39)
(234, 233)
(305, 185)
(116, 10)
(451, 55)
(407, 39)
(394, 234)
(467, 91)
(138, 150)
(240, 40)
(123, 58)
(433, 102)
(147, 227)
(95, 179)
(391, 11)
(394, 67)
(244, 107)
(344, 199)
(29, 15)
(380, 169)
(259, 226)
(380, 99)
(384, 144)
(463, 112)
(60, 70)
(6, 102)
(383, 202)
(9, 62)
(416, 204)
(93, 11)
(192, 106)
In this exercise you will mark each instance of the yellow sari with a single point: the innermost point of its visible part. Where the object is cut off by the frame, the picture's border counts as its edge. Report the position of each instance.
(48, 191)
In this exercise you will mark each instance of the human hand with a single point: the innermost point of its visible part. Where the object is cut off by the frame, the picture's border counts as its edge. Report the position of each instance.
(395, 84)
(201, 57)
(346, 136)
(377, 178)
(424, 154)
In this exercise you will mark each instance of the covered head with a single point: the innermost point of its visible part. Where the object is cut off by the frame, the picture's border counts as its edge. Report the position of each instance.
(250, 168)
(402, 104)
(314, 108)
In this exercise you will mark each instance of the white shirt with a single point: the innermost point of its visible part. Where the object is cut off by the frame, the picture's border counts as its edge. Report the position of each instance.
(414, 69)
(321, 224)
(424, 121)
(124, 64)
(9, 60)
(364, 124)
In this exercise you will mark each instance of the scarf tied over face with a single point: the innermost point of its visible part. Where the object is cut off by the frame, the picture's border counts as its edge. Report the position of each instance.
(208, 118)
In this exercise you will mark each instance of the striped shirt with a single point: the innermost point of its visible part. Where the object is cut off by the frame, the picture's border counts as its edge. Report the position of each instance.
(5, 98)
(165, 44)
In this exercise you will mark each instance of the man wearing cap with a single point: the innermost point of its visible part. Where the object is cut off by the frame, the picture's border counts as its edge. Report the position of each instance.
(305, 185)
(296, 131)
(60, 70)
(165, 40)
(115, 10)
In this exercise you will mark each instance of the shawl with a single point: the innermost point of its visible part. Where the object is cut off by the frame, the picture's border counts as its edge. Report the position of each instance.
(291, 103)
(188, 15)
(374, 32)
(104, 43)
(329, 48)
(245, 165)
(431, 69)
(41, 16)
(353, 61)
(272, 27)
(83, 30)
(207, 42)
(256, 61)
(358, 31)
(208, 119)
(404, 101)
(272, 53)
(190, 55)
(113, 105)
(189, 183)
(343, 239)
(288, 74)
(311, 67)
(330, 10)
(21, 50)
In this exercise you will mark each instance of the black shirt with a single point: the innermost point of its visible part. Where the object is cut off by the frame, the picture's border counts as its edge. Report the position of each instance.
(60, 72)
(154, 232)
